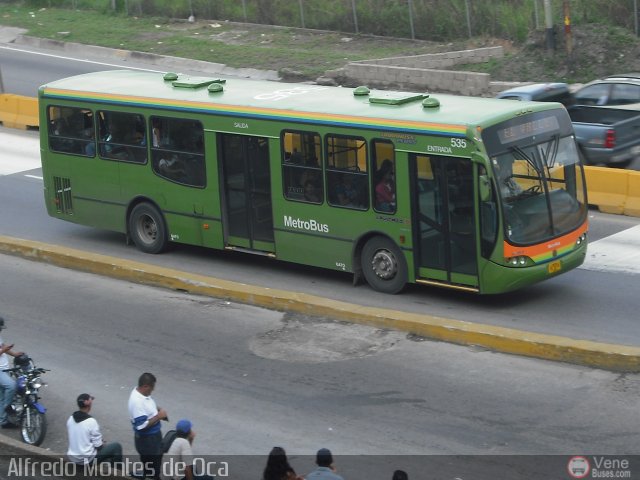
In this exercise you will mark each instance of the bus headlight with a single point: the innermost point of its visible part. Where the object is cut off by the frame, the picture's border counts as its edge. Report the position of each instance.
(582, 238)
(519, 261)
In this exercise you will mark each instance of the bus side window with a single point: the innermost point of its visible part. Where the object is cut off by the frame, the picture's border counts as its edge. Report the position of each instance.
(301, 171)
(347, 175)
(384, 178)
(70, 130)
(488, 214)
(177, 150)
(122, 137)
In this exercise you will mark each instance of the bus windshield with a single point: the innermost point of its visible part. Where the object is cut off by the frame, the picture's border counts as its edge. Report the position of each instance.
(541, 189)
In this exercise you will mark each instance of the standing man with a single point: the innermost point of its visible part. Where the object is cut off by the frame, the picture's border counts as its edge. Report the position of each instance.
(85, 439)
(7, 383)
(145, 418)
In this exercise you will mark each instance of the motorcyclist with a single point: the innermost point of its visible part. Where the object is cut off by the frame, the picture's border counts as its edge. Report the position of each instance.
(7, 383)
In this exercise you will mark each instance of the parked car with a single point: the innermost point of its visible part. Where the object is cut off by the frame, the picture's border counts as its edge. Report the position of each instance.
(613, 90)
(540, 92)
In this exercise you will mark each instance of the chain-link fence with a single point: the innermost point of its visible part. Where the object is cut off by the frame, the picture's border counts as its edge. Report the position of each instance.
(437, 20)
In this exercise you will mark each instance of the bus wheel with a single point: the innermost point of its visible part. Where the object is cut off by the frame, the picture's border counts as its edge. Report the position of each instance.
(147, 228)
(383, 265)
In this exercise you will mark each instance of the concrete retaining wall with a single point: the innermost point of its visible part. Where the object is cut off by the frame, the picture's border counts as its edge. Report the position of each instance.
(426, 72)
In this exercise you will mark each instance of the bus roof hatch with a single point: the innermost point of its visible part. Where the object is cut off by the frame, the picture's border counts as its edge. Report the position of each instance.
(395, 98)
(196, 82)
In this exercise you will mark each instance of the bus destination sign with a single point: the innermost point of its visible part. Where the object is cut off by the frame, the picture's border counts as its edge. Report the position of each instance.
(537, 126)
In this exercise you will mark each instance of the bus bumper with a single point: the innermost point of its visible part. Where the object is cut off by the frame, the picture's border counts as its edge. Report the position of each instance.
(501, 278)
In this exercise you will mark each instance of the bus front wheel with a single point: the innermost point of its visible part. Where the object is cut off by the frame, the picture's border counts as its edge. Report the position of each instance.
(147, 228)
(383, 265)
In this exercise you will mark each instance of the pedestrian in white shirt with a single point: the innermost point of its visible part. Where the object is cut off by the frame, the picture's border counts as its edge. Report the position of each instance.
(85, 439)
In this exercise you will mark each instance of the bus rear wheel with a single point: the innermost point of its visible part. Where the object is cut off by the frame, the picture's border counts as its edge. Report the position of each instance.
(383, 265)
(147, 228)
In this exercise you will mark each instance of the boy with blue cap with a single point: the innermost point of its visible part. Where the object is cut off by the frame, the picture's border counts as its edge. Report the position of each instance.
(178, 461)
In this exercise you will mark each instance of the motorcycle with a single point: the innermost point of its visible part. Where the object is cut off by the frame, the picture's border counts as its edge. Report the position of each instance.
(25, 410)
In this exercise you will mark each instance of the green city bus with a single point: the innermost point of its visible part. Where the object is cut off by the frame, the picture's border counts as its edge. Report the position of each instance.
(475, 194)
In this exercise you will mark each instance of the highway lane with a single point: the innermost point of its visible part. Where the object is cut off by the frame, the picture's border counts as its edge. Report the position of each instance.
(250, 378)
(596, 302)
(24, 69)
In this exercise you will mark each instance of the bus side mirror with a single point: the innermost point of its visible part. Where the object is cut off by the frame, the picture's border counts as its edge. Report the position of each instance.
(484, 188)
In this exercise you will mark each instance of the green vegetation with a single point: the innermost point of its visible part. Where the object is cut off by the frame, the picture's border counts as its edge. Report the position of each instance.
(434, 20)
(161, 26)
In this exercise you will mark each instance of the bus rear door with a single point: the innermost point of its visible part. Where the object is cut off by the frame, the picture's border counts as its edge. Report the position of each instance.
(246, 189)
(444, 221)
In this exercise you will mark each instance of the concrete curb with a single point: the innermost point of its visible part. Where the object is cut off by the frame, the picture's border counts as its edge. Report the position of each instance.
(24, 449)
(499, 339)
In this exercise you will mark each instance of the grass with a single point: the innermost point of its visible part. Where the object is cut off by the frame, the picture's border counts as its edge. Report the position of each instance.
(310, 53)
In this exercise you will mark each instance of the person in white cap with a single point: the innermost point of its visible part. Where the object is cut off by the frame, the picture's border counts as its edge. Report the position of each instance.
(85, 439)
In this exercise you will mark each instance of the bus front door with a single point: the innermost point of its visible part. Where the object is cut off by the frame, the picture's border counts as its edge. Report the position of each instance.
(444, 221)
(246, 186)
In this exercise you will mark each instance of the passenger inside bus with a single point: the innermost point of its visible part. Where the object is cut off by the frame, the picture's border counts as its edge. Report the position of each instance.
(385, 191)
(346, 193)
(172, 168)
(311, 193)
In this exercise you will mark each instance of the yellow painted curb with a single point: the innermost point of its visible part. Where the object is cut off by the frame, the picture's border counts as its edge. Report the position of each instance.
(500, 339)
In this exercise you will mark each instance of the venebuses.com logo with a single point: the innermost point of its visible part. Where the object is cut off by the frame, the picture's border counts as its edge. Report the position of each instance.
(598, 467)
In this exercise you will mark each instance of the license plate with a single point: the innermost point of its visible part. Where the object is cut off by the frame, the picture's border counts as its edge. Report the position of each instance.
(554, 267)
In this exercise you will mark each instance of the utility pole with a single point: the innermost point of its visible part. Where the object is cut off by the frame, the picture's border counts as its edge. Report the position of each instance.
(550, 40)
(413, 31)
(568, 39)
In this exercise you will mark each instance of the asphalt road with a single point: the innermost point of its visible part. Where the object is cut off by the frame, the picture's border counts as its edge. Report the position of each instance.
(251, 378)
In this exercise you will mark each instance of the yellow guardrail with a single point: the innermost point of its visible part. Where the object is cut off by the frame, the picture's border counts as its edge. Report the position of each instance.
(17, 111)
(612, 190)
